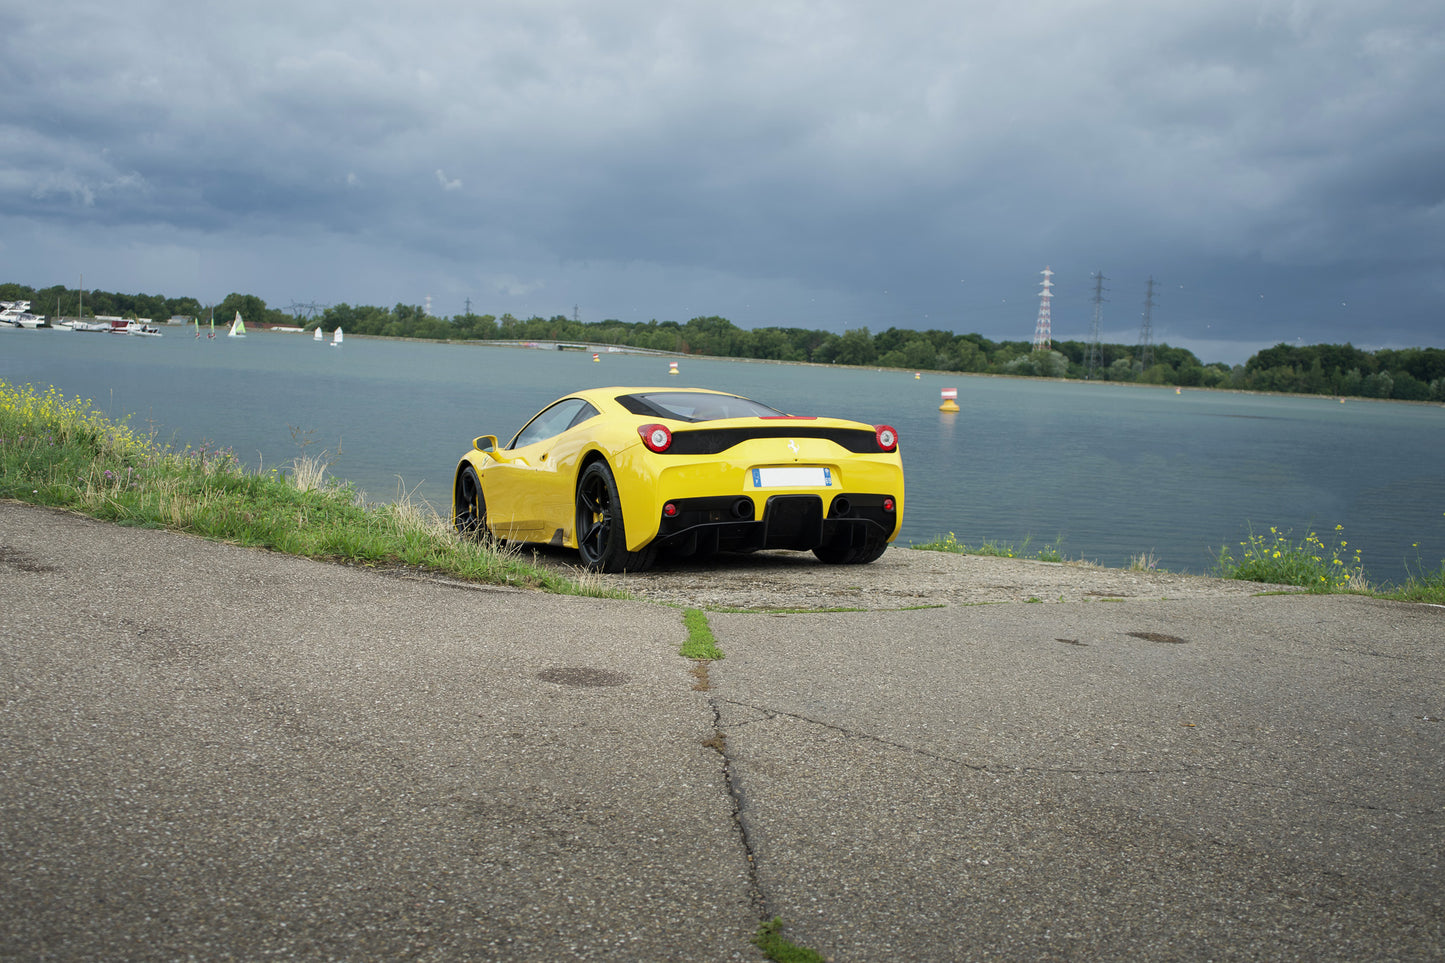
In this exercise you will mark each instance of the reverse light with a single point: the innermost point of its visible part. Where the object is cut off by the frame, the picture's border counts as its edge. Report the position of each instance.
(656, 437)
(887, 437)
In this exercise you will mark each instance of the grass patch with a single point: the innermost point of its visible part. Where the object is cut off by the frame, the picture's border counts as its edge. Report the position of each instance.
(1052, 552)
(1309, 563)
(771, 941)
(64, 454)
(701, 643)
(1421, 586)
(1144, 562)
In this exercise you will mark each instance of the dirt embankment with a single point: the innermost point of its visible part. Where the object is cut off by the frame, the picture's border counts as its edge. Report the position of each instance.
(902, 578)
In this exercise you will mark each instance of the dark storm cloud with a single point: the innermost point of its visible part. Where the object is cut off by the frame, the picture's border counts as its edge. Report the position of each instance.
(1273, 164)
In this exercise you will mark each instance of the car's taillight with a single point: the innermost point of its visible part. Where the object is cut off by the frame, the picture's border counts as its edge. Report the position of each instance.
(655, 437)
(887, 438)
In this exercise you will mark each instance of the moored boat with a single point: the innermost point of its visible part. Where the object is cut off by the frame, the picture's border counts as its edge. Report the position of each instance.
(17, 314)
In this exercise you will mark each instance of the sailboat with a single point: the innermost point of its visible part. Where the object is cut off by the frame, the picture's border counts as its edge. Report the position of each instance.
(238, 327)
(336, 338)
(318, 336)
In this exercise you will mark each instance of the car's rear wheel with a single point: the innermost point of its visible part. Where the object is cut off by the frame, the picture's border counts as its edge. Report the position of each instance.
(471, 506)
(601, 539)
(869, 551)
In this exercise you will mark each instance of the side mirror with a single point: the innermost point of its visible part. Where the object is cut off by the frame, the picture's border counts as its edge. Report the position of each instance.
(487, 443)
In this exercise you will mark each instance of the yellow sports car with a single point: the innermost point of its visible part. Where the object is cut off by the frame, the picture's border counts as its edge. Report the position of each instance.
(623, 473)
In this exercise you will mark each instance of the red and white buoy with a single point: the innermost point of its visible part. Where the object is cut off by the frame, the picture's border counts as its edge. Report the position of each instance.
(950, 400)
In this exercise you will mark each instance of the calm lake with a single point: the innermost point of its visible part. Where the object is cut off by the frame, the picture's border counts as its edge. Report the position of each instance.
(1114, 471)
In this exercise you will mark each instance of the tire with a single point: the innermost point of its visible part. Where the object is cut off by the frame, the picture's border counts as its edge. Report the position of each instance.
(471, 506)
(601, 539)
(870, 551)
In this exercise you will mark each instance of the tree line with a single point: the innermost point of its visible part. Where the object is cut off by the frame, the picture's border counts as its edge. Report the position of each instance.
(1410, 374)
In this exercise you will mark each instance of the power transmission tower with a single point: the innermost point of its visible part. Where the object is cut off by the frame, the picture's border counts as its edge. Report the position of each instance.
(1094, 357)
(1043, 336)
(306, 309)
(469, 307)
(1146, 330)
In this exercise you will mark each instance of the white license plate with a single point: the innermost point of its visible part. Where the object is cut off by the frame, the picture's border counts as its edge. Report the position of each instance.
(792, 477)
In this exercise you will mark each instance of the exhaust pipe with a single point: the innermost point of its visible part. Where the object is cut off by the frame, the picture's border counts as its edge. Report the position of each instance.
(842, 508)
(743, 508)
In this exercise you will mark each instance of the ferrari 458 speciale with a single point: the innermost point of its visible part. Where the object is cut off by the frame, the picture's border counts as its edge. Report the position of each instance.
(622, 474)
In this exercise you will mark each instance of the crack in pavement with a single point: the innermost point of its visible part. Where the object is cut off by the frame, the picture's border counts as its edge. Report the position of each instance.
(1200, 772)
(718, 743)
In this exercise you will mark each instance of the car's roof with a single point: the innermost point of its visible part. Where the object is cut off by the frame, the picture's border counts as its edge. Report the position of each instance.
(609, 394)
(623, 390)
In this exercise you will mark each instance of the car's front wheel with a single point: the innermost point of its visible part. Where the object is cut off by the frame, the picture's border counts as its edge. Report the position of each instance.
(471, 506)
(601, 539)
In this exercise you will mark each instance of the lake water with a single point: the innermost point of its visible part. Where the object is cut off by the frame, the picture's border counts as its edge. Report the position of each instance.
(1115, 471)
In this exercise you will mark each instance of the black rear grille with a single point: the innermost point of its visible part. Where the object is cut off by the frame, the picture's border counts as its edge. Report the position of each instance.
(711, 441)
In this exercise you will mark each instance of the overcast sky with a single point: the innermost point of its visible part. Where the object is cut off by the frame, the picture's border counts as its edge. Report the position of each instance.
(1277, 167)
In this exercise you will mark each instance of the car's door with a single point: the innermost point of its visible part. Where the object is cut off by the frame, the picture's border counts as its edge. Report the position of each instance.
(528, 489)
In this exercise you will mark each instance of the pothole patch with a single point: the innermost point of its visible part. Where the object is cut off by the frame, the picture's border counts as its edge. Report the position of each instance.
(1159, 637)
(582, 676)
(21, 562)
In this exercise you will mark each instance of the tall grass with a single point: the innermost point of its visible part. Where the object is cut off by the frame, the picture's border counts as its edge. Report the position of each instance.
(62, 453)
(1316, 563)
(1310, 563)
(1052, 552)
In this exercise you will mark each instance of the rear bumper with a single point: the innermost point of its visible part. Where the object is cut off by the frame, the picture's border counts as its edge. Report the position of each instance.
(782, 521)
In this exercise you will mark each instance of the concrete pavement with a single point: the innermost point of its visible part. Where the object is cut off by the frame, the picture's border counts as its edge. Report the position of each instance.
(221, 753)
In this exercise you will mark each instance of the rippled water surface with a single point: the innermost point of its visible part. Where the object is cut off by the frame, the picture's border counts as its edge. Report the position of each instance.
(1115, 471)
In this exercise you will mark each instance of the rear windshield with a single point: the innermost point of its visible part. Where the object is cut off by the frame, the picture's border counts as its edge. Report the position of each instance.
(694, 406)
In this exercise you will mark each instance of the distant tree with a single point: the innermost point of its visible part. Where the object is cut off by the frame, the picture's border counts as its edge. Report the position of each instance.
(1409, 388)
(920, 353)
(250, 307)
(856, 347)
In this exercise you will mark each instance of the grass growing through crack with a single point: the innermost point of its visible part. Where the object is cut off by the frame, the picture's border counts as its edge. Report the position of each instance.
(775, 946)
(64, 454)
(701, 643)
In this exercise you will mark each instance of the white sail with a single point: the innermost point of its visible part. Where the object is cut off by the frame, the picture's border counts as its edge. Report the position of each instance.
(238, 327)
(336, 338)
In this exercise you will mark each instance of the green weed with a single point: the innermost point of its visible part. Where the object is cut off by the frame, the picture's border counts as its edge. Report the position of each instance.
(1052, 552)
(701, 643)
(775, 947)
(1310, 564)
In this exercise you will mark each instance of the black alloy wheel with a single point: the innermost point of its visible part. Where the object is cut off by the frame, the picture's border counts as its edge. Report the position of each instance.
(601, 538)
(471, 510)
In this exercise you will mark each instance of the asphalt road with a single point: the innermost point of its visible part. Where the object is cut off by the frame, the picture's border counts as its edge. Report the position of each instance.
(218, 753)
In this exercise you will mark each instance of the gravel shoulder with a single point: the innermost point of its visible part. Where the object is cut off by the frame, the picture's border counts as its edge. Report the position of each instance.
(902, 578)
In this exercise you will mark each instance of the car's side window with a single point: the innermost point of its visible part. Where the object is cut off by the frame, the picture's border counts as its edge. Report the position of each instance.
(553, 421)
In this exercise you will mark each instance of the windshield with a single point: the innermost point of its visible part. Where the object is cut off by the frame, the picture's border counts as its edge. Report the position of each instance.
(694, 406)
